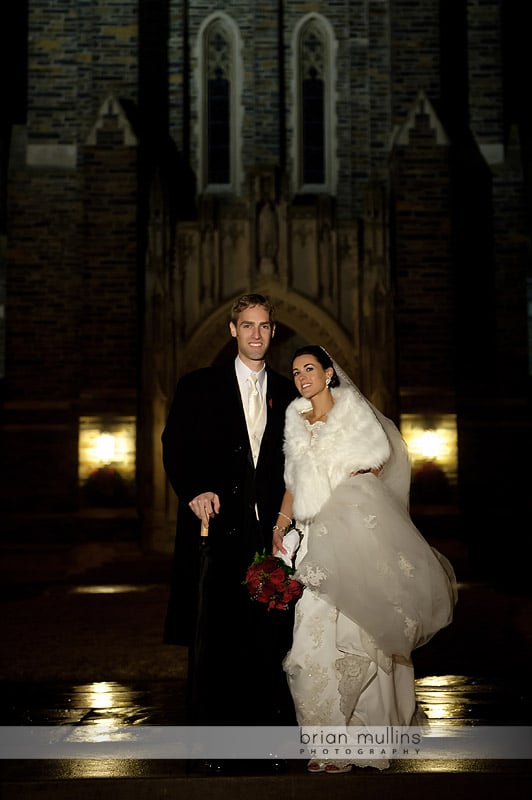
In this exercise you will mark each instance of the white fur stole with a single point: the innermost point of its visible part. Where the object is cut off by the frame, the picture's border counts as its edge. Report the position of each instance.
(319, 457)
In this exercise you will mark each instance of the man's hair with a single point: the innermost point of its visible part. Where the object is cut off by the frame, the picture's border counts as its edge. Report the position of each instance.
(249, 300)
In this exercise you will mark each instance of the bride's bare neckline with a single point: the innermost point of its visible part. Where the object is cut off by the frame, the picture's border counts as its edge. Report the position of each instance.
(311, 419)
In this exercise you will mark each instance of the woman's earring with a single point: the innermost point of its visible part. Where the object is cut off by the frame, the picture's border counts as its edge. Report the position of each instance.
(327, 381)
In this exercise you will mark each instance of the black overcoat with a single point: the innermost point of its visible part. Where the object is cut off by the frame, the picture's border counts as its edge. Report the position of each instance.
(206, 448)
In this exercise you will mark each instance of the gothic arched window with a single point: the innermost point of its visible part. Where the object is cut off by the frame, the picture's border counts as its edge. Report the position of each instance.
(314, 120)
(219, 106)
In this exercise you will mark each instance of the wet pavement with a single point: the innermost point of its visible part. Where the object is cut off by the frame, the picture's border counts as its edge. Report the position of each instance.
(81, 634)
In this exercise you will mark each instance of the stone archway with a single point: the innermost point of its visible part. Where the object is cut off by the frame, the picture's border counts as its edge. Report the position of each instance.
(299, 322)
(307, 322)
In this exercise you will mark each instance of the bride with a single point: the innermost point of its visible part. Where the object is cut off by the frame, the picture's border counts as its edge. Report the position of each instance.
(374, 588)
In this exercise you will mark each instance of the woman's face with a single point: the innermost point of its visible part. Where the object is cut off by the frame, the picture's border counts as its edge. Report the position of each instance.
(309, 375)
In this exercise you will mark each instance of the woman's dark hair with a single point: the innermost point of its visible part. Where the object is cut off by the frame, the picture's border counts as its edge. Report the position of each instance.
(322, 357)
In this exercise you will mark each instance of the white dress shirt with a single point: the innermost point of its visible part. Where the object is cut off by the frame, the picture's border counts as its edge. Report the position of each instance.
(255, 433)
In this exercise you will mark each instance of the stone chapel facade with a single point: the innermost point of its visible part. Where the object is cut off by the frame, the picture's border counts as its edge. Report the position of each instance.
(350, 159)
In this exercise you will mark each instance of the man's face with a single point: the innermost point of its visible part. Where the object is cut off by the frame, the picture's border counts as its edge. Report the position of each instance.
(253, 333)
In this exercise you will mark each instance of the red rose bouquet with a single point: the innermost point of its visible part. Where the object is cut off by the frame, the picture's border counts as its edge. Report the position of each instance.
(269, 580)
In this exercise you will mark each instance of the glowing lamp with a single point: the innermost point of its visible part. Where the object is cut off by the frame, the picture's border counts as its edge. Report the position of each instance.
(432, 439)
(107, 442)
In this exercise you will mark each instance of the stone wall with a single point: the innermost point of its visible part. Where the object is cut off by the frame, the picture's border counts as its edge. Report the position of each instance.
(413, 270)
(72, 277)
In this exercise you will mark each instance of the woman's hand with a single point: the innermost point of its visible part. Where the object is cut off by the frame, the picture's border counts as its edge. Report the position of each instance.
(375, 471)
(205, 506)
(279, 529)
(277, 541)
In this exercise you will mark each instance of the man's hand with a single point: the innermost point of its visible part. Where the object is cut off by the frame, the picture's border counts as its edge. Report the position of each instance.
(205, 506)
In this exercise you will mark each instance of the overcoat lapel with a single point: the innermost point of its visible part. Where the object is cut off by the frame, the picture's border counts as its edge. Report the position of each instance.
(232, 411)
(274, 418)
(233, 417)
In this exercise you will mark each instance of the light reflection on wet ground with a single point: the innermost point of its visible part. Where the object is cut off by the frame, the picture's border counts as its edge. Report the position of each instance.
(466, 677)
(102, 707)
(124, 588)
(456, 699)
(446, 700)
(109, 703)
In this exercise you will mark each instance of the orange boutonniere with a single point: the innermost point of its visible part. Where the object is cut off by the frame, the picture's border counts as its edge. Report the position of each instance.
(270, 402)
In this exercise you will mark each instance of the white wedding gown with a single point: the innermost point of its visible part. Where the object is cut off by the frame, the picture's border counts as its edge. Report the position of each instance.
(333, 680)
(375, 589)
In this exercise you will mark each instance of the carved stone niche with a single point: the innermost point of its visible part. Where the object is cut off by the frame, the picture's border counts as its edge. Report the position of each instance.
(266, 206)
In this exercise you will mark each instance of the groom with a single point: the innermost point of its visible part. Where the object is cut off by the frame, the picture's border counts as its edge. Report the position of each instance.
(227, 471)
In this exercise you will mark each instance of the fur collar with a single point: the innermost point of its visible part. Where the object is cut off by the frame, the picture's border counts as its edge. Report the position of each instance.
(319, 457)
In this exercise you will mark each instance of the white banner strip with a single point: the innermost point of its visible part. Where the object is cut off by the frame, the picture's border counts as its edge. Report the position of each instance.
(162, 742)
